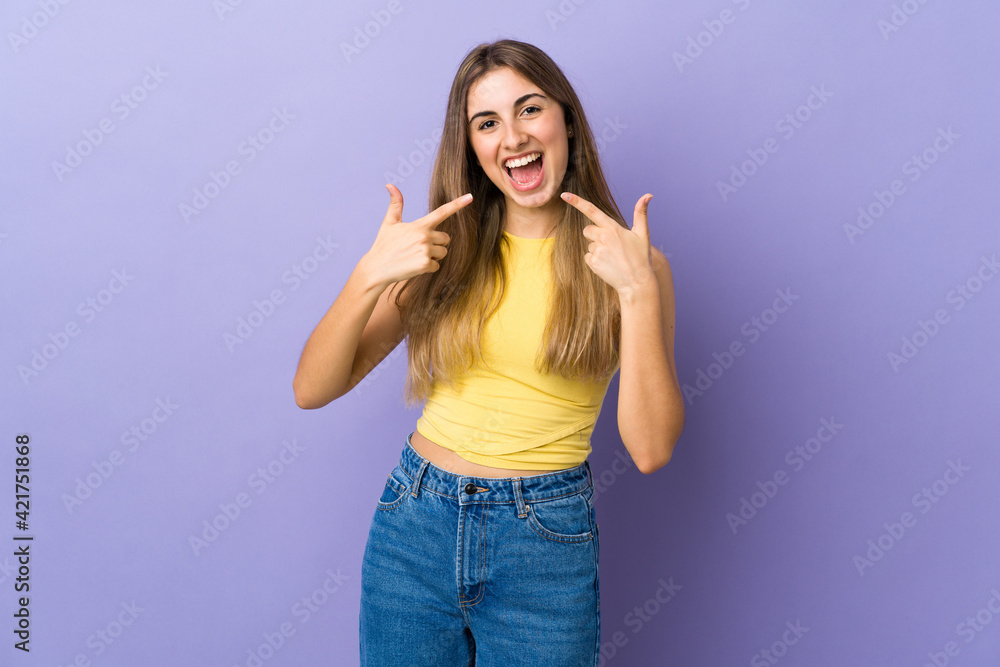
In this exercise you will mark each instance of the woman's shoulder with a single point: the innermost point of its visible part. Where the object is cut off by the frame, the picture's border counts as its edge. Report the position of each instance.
(659, 259)
(661, 267)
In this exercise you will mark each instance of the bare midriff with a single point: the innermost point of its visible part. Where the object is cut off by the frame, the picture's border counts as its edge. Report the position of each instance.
(452, 462)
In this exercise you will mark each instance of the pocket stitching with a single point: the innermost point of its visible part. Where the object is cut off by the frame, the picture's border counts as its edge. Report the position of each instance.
(557, 537)
(399, 487)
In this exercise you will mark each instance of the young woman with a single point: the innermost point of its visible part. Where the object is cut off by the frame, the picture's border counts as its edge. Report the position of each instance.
(520, 295)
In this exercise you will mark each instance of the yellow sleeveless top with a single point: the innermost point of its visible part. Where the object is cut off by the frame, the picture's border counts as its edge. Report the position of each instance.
(504, 413)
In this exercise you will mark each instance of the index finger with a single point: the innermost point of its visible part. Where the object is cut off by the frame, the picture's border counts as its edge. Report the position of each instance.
(441, 213)
(599, 217)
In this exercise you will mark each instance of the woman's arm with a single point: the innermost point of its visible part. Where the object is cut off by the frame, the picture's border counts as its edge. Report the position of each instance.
(358, 331)
(650, 404)
(351, 339)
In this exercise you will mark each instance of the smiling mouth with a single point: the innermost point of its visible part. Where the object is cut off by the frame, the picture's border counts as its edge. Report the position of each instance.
(528, 175)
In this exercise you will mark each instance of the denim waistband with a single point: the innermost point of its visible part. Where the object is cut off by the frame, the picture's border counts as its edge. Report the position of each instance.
(469, 489)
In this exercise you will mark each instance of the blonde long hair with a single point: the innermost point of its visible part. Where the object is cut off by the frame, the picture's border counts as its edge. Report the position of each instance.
(444, 312)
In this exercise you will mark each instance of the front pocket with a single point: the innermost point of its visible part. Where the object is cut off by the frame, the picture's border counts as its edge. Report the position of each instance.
(565, 519)
(394, 492)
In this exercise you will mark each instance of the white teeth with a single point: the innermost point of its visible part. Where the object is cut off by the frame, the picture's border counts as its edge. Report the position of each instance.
(510, 164)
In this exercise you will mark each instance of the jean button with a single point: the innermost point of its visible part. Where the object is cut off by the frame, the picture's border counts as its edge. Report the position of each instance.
(470, 488)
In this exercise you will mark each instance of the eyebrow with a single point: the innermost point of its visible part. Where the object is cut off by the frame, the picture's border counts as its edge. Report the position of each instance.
(517, 103)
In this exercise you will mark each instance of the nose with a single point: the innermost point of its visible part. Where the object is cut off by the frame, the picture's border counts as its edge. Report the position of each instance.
(513, 136)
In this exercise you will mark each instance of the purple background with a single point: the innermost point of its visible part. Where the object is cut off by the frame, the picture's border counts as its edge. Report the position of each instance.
(354, 121)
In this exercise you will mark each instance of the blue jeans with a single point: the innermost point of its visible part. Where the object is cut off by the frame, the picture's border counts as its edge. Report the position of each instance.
(462, 571)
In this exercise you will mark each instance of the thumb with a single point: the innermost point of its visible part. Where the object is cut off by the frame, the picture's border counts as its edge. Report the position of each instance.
(640, 221)
(395, 210)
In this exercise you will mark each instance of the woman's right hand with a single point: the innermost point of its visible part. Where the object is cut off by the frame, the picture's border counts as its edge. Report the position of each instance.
(406, 249)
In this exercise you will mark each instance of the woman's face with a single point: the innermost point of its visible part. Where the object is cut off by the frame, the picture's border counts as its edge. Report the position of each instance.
(510, 118)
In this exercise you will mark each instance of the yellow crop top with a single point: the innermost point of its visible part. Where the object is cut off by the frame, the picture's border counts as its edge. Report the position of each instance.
(505, 413)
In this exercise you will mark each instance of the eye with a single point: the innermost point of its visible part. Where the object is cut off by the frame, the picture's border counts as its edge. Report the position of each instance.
(531, 109)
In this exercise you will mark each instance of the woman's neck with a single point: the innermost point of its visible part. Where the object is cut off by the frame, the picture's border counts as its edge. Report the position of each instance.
(532, 223)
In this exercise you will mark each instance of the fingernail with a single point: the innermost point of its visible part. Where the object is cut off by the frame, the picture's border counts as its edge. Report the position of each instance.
(466, 197)
(566, 196)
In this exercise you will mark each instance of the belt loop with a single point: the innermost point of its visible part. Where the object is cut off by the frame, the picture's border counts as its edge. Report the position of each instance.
(519, 499)
(415, 490)
(590, 473)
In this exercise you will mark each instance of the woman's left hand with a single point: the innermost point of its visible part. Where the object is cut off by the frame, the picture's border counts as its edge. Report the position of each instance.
(620, 256)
